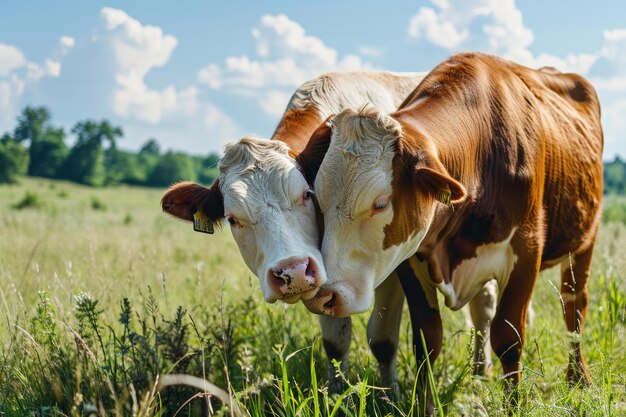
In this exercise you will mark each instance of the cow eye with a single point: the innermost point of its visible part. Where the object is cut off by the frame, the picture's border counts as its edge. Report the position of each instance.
(231, 220)
(380, 204)
(308, 194)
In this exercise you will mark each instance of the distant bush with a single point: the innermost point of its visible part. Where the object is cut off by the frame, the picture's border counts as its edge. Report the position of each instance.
(30, 200)
(13, 160)
(170, 168)
(614, 210)
(97, 204)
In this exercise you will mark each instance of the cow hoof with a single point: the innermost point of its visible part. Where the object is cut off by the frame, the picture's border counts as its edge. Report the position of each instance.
(337, 385)
(391, 392)
(578, 375)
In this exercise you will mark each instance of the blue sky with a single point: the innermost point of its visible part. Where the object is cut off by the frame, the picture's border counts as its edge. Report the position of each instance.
(196, 75)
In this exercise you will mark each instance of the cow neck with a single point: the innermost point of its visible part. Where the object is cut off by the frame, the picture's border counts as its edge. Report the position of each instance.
(296, 127)
(423, 130)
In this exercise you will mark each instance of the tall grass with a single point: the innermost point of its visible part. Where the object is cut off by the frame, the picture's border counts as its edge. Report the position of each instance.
(97, 309)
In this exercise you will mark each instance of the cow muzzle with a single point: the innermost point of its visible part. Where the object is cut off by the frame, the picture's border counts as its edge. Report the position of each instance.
(294, 279)
(339, 300)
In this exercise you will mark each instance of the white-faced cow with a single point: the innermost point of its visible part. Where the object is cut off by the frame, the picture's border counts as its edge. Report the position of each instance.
(264, 196)
(489, 171)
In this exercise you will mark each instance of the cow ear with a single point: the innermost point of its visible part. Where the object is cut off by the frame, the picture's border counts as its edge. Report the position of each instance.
(313, 154)
(432, 177)
(194, 202)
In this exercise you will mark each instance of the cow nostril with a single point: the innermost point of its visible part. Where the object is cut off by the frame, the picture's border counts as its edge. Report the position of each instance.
(310, 270)
(281, 278)
(332, 302)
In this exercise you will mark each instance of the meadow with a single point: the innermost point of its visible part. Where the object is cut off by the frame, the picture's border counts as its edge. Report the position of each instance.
(102, 295)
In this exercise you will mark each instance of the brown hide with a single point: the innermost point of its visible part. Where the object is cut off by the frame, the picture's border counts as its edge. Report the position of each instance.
(296, 127)
(526, 144)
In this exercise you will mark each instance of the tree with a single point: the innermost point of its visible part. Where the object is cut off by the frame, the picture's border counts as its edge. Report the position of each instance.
(48, 153)
(13, 159)
(148, 157)
(172, 167)
(208, 170)
(47, 146)
(151, 147)
(123, 167)
(85, 162)
(615, 176)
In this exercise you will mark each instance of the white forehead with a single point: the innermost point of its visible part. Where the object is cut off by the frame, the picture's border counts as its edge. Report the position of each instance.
(358, 163)
(257, 171)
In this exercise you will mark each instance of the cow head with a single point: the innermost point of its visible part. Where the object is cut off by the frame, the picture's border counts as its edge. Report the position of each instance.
(263, 195)
(378, 193)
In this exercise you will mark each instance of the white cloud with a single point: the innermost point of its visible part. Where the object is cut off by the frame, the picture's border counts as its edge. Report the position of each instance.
(280, 36)
(285, 58)
(371, 51)
(274, 102)
(614, 125)
(436, 28)
(502, 29)
(11, 58)
(53, 68)
(65, 44)
(216, 119)
(137, 49)
(11, 90)
(211, 76)
(17, 75)
(152, 105)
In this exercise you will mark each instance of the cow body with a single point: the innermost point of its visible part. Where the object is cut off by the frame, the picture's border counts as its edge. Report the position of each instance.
(264, 196)
(489, 171)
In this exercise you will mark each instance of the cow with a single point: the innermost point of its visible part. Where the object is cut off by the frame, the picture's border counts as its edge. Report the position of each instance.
(489, 171)
(264, 196)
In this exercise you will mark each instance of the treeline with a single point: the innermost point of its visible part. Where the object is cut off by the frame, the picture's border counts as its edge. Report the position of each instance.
(615, 176)
(37, 148)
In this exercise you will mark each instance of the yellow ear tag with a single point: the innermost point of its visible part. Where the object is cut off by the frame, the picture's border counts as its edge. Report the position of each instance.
(201, 223)
(443, 196)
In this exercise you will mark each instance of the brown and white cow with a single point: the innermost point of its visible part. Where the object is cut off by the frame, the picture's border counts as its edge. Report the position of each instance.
(489, 171)
(264, 196)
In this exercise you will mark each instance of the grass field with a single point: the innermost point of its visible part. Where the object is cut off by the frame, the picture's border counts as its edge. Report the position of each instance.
(101, 293)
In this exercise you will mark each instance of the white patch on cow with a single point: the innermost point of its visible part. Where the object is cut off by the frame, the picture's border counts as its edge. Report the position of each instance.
(449, 293)
(333, 92)
(492, 261)
(554, 262)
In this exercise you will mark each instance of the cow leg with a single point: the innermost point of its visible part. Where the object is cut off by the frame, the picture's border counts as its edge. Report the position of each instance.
(336, 337)
(426, 320)
(508, 329)
(574, 275)
(482, 309)
(383, 331)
